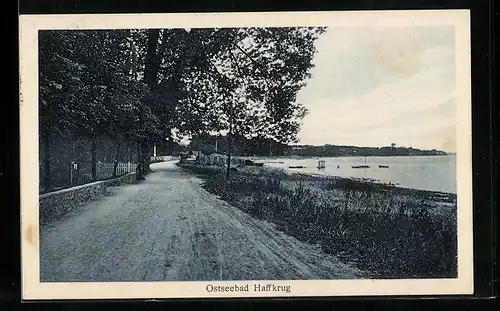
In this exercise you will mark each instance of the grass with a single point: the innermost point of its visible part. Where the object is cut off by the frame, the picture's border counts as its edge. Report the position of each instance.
(386, 231)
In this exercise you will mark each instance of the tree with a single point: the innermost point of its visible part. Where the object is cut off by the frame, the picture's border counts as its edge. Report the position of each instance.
(86, 88)
(62, 80)
(256, 74)
(143, 85)
(52, 105)
(278, 63)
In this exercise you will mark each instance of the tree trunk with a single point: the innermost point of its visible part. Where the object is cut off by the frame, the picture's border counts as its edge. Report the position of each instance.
(47, 180)
(139, 174)
(229, 140)
(169, 145)
(151, 68)
(93, 152)
(152, 62)
(116, 158)
(146, 157)
(228, 169)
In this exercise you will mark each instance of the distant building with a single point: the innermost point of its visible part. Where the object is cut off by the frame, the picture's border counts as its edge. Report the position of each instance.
(393, 145)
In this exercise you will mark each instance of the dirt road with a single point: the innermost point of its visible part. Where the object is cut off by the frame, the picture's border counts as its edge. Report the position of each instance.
(167, 228)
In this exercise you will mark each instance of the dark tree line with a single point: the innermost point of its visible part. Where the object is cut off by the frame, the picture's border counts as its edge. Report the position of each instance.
(157, 85)
(343, 151)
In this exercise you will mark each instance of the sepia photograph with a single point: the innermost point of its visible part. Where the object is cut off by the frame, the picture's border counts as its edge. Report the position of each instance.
(235, 155)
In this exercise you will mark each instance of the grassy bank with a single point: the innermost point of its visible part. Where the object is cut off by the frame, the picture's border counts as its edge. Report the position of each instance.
(389, 232)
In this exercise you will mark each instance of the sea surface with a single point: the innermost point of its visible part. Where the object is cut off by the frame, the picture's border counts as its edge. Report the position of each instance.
(434, 173)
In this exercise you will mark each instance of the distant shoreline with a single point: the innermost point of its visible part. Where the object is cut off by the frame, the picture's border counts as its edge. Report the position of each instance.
(346, 156)
(349, 151)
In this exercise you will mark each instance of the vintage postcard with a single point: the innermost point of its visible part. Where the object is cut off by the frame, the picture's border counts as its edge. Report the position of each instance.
(246, 155)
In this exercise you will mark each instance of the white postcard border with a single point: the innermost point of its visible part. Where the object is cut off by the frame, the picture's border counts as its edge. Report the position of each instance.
(29, 25)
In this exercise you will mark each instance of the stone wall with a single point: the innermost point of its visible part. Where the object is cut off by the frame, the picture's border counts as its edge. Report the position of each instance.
(55, 204)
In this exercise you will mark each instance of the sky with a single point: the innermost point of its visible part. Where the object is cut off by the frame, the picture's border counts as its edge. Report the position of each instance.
(381, 85)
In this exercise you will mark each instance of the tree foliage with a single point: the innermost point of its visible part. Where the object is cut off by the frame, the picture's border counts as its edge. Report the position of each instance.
(142, 85)
(86, 86)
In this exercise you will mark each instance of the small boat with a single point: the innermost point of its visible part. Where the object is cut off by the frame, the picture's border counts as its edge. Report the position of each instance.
(361, 166)
(383, 166)
(295, 166)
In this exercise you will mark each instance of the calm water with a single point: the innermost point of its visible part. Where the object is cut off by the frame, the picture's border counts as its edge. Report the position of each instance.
(435, 173)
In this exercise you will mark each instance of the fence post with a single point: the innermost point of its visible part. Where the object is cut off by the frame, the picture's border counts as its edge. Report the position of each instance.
(128, 167)
(71, 174)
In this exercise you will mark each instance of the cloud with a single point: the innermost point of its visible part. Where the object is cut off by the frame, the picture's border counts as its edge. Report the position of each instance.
(374, 86)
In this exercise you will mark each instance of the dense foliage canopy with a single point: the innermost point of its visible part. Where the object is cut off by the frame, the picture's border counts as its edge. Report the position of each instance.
(155, 85)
